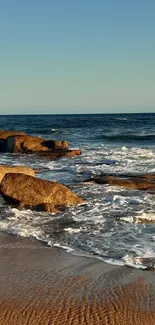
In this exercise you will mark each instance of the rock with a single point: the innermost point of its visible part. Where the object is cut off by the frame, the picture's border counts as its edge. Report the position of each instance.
(72, 153)
(27, 144)
(6, 140)
(5, 134)
(30, 191)
(19, 142)
(4, 169)
(14, 142)
(138, 182)
(48, 208)
(61, 153)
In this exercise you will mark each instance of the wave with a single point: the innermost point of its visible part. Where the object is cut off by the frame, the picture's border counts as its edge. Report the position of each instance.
(139, 262)
(119, 118)
(145, 218)
(127, 137)
(48, 131)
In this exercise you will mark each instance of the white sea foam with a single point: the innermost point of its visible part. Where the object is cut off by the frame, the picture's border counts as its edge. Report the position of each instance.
(66, 248)
(135, 262)
(144, 217)
(124, 148)
(74, 231)
(23, 223)
(111, 215)
(146, 260)
(121, 118)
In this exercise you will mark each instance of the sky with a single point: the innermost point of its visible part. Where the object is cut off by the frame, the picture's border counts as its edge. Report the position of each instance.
(77, 56)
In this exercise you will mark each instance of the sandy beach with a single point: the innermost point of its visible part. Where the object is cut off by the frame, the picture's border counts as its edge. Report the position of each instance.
(41, 285)
(77, 162)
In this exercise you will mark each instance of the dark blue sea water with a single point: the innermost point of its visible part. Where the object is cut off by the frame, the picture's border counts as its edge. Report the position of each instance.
(116, 225)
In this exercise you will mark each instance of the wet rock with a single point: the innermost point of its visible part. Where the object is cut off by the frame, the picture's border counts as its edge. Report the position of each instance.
(138, 182)
(47, 207)
(4, 169)
(30, 191)
(60, 153)
(5, 134)
(6, 143)
(19, 142)
(14, 142)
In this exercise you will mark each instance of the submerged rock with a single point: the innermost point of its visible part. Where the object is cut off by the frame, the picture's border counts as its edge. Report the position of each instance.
(138, 182)
(4, 169)
(28, 191)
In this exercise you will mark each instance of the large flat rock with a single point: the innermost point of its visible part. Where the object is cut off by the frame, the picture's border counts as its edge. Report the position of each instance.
(138, 182)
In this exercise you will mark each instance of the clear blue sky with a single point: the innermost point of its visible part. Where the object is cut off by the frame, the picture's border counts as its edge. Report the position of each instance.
(77, 56)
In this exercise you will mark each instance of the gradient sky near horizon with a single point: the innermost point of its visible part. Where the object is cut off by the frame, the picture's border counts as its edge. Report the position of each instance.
(77, 56)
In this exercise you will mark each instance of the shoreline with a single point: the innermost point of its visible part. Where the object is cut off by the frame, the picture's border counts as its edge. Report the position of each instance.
(43, 285)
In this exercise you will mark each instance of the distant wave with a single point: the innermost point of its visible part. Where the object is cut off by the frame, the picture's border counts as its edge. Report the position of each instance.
(119, 118)
(127, 137)
(53, 131)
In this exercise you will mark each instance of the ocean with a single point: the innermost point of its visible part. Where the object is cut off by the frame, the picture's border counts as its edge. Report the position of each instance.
(115, 225)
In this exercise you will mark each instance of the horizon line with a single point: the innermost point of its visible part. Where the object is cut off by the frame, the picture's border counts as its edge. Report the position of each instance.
(41, 114)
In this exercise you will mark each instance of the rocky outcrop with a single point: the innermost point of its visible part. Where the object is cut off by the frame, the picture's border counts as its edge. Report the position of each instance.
(4, 169)
(29, 191)
(5, 134)
(138, 182)
(28, 144)
(13, 141)
(19, 142)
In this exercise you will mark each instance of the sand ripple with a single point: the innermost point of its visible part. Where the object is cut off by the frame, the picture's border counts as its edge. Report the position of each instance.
(47, 286)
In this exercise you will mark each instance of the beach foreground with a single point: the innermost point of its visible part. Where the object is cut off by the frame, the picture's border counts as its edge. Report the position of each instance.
(41, 285)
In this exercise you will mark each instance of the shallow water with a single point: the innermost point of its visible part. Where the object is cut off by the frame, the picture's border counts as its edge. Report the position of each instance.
(116, 225)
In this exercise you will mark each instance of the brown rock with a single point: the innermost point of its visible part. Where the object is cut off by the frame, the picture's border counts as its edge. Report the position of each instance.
(27, 144)
(31, 191)
(4, 169)
(47, 207)
(73, 153)
(61, 153)
(5, 134)
(138, 182)
(6, 144)
(13, 141)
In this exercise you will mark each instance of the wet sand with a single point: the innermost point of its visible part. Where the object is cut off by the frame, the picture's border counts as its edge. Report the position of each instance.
(47, 286)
